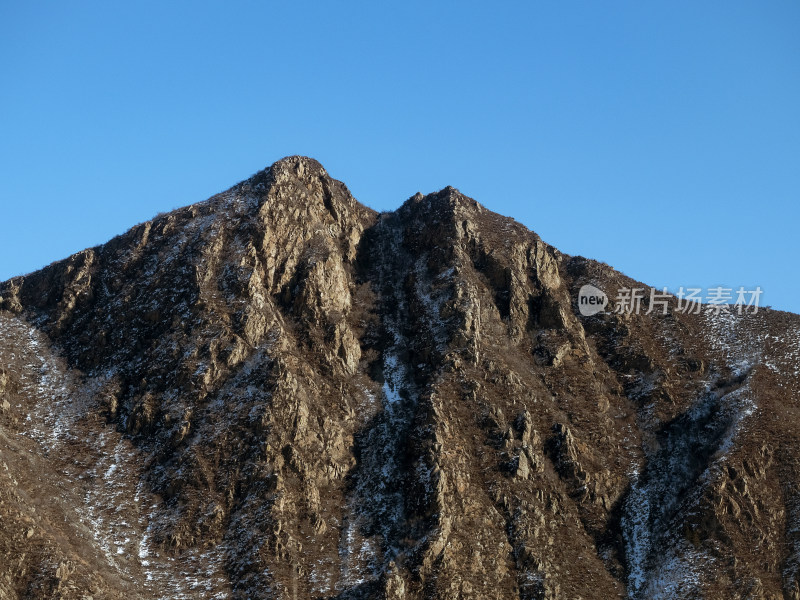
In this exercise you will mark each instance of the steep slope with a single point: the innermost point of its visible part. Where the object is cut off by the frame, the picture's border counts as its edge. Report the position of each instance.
(280, 393)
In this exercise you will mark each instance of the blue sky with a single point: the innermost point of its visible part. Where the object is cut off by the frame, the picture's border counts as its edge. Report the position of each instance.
(660, 137)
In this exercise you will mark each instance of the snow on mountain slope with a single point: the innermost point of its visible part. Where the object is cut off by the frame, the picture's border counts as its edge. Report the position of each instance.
(279, 393)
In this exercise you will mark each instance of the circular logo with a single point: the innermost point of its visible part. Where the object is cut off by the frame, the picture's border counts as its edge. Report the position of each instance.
(591, 300)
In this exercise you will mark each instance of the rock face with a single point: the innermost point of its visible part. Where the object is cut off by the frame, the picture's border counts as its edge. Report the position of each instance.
(280, 393)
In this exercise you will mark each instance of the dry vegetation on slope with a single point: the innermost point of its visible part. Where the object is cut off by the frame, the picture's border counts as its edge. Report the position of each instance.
(280, 393)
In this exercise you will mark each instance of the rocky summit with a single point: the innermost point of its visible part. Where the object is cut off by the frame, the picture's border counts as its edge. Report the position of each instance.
(281, 393)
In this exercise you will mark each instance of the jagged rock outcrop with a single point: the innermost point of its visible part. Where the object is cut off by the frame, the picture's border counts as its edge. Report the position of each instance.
(280, 393)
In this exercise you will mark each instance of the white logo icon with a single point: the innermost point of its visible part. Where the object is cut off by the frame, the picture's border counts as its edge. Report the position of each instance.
(591, 300)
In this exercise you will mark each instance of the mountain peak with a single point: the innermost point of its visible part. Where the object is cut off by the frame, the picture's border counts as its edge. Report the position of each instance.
(289, 168)
(448, 201)
(298, 166)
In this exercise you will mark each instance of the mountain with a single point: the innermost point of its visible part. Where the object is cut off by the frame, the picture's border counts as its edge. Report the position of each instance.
(281, 393)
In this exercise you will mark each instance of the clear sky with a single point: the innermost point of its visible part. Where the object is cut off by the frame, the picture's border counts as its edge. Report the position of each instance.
(660, 137)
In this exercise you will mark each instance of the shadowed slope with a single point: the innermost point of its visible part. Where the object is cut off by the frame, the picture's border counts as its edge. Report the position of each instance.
(280, 393)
